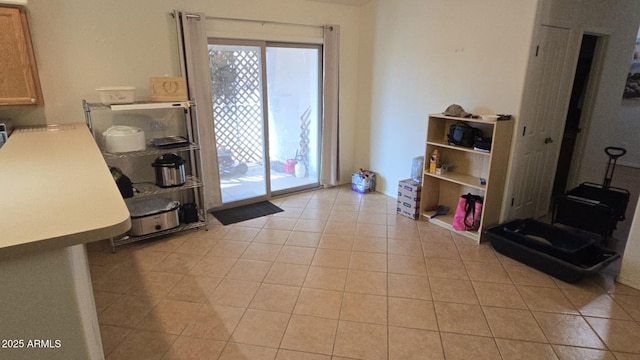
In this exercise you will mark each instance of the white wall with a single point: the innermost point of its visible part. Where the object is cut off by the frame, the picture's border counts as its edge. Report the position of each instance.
(401, 60)
(84, 44)
(428, 54)
(630, 268)
(626, 131)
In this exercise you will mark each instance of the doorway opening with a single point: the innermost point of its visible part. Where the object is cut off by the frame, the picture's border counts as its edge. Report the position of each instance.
(266, 113)
(574, 120)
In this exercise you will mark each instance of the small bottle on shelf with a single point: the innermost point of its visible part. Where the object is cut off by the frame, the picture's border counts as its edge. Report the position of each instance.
(433, 161)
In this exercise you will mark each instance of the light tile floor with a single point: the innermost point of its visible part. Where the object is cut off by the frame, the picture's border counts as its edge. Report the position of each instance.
(338, 275)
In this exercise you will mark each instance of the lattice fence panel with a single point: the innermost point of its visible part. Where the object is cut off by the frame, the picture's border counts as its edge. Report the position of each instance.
(237, 105)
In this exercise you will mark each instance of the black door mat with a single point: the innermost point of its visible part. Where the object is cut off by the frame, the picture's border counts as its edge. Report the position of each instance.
(246, 212)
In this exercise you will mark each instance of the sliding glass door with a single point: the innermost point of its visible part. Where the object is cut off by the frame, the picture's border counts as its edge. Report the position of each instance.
(238, 115)
(293, 88)
(266, 106)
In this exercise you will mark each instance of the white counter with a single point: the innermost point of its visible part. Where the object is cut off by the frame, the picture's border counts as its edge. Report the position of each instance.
(57, 194)
(56, 191)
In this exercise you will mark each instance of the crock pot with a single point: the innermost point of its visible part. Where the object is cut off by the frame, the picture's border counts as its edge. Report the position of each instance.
(169, 169)
(120, 139)
(153, 215)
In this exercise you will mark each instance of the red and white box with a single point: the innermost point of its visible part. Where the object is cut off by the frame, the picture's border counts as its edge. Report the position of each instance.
(290, 166)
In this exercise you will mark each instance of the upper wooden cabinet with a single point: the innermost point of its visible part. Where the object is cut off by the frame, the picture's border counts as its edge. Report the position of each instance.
(19, 82)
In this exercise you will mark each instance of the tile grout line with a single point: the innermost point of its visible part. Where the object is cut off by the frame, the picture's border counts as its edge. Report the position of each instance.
(475, 290)
(433, 304)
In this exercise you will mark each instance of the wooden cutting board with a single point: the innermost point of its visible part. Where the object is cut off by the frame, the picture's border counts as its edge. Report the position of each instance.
(168, 88)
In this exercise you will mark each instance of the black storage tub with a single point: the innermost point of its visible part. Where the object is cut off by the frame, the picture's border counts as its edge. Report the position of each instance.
(592, 208)
(616, 198)
(564, 255)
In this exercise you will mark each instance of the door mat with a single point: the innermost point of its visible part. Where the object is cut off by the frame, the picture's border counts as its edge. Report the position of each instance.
(246, 212)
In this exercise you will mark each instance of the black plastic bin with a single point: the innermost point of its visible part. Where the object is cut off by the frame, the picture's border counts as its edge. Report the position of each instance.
(548, 239)
(585, 214)
(555, 251)
(615, 198)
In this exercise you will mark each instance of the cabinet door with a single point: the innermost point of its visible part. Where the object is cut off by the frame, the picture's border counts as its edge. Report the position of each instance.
(20, 84)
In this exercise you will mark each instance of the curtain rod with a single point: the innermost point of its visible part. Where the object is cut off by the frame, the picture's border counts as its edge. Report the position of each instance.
(268, 22)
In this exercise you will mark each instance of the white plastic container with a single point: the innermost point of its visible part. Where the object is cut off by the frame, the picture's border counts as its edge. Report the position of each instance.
(116, 94)
(119, 139)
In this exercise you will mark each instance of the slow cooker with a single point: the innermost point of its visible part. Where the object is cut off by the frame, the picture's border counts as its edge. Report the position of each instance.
(169, 170)
(153, 215)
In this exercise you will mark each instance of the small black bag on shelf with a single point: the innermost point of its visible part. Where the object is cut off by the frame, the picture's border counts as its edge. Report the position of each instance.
(483, 144)
(124, 183)
(463, 134)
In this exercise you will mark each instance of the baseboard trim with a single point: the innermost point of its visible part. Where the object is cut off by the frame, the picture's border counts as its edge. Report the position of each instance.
(628, 164)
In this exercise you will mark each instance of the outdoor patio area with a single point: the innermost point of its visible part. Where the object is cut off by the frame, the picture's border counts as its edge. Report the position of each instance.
(235, 187)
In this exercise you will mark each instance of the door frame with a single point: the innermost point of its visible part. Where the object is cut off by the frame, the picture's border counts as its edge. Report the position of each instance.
(595, 77)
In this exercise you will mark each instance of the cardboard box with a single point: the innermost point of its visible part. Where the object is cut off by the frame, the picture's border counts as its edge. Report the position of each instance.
(363, 184)
(168, 89)
(409, 198)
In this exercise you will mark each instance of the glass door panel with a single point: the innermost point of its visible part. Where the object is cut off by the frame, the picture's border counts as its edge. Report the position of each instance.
(293, 88)
(238, 115)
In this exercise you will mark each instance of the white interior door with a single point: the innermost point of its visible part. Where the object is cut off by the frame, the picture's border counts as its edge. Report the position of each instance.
(547, 92)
